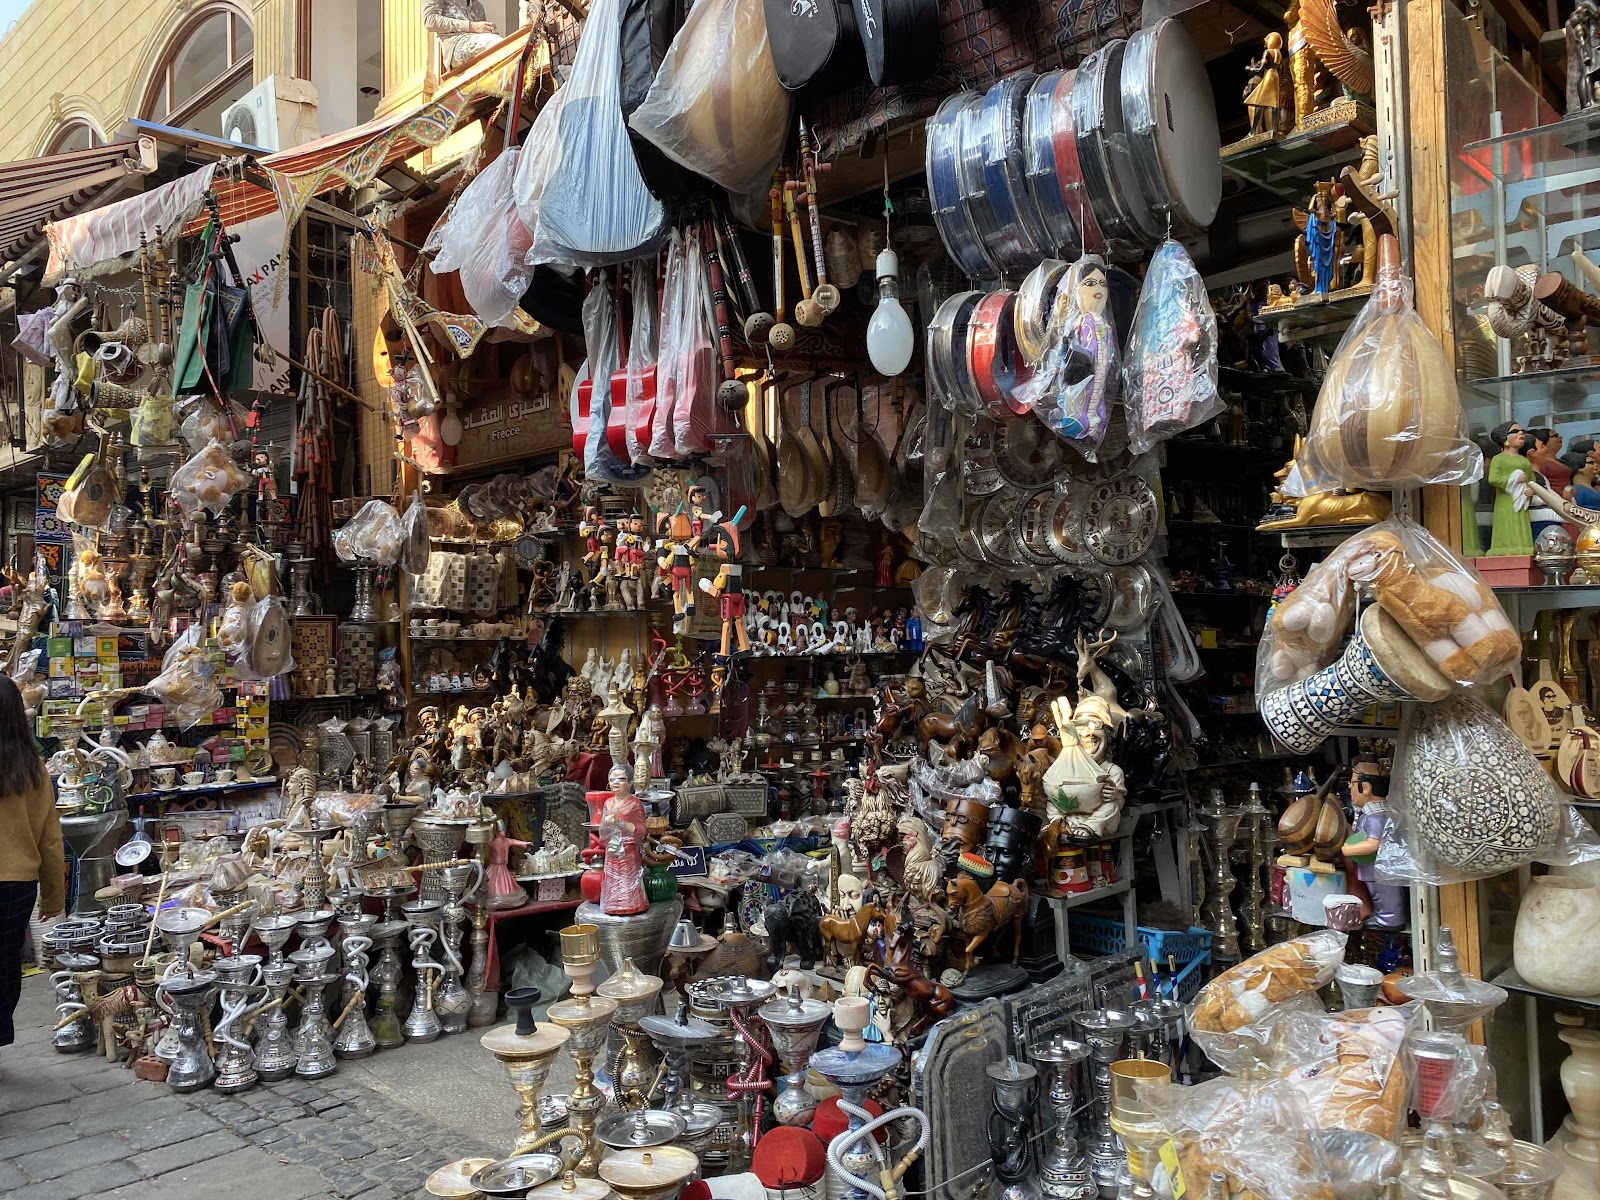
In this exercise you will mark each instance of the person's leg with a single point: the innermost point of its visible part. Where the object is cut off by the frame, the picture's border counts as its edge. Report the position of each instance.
(16, 906)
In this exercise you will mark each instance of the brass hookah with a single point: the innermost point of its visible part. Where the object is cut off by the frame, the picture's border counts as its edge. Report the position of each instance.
(633, 1071)
(526, 1050)
(586, 1017)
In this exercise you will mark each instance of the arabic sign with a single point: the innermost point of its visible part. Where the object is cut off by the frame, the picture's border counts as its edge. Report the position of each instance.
(507, 427)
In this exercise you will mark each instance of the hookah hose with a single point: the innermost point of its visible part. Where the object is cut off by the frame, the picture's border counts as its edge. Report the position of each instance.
(888, 1176)
(231, 1013)
(754, 1077)
(355, 974)
(422, 962)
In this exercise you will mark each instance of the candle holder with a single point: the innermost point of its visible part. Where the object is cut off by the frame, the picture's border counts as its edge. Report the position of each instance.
(1224, 827)
(422, 919)
(1134, 1118)
(387, 972)
(526, 1050)
(586, 1017)
(794, 1025)
(1104, 1031)
(1064, 1169)
(854, 1066)
(739, 997)
(631, 1068)
(1010, 1128)
(275, 1055)
(677, 1037)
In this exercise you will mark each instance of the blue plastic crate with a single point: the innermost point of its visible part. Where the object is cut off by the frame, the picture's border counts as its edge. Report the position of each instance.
(1103, 935)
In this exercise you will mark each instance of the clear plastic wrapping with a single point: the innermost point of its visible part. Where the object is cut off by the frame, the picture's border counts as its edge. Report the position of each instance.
(1350, 1067)
(693, 356)
(715, 105)
(1469, 800)
(1076, 381)
(1436, 598)
(209, 480)
(1306, 628)
(1170, 374)
(186, 685)
(206, 420)
(373, 536)
(1233, 1016)
(1388, 416)
(672, 319)
(644, 347)
(486, 241)
(1260, 1138)
(943, 161)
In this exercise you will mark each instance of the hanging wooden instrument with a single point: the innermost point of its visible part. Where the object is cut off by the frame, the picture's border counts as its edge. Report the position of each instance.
(757, 322)
(806, 311)
(781, 335)
(825, 296)
(730, 392)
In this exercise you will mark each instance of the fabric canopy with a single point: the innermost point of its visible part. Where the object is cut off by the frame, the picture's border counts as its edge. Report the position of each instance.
(35, 191)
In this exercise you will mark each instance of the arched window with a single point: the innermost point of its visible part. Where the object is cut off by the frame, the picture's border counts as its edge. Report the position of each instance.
(206, 66)
(74, 134)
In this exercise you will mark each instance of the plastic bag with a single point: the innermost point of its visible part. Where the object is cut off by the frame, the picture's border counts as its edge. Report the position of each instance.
(1233, 1015)
(486, 241)
(583, 197)
(373, 536)
(206, 421)
(672, 290)
(1388, 416)
(208, 480)
(150, 423)
(716, 105)
(33, 337)
(600, 337)
(694, 358)
(1170, 376)
(1260, 1138)
(1307, 627)
(1076, 381)
(644, 347)
(1469, 800)
(186, 684)
(1351, 1067)
(1436, 598)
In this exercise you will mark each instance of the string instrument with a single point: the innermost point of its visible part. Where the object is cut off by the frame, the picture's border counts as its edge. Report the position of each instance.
(730, 392)
(781, 335)
(805, 311)
(825, 296)
(757, 323)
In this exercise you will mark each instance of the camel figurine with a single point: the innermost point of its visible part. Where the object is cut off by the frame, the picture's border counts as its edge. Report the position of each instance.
(979, 915)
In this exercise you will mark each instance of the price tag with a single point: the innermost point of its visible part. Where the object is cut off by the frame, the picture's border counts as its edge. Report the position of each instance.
(1169, 1160)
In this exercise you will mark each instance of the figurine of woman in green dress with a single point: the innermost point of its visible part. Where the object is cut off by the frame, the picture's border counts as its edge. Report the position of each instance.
(1513, 531)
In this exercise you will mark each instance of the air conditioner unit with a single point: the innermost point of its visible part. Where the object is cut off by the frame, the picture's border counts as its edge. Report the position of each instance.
(276, 114)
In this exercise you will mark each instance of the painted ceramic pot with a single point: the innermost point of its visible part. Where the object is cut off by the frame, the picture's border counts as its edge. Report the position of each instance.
(1557, 942)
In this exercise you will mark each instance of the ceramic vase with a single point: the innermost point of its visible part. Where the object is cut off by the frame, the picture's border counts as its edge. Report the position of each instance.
(1557, 943)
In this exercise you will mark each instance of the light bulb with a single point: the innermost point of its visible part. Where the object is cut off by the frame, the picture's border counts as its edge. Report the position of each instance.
(450, 427)
(890, 339)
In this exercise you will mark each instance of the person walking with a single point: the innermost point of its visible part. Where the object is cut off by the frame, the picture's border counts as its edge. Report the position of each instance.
(32, 862)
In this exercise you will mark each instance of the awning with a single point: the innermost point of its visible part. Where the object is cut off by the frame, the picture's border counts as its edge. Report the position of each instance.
(36, 191)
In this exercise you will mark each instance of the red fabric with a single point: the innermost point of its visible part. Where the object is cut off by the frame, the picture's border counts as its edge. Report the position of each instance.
(829, 1122)
(789, 1156)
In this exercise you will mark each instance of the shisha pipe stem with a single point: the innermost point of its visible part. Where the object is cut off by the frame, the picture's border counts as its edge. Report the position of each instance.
(231, 1012)
(754, 1078)
(888, 1176)
(74, 1010)
(355, 953)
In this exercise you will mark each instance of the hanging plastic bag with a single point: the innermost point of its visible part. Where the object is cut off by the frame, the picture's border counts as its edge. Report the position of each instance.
(1388, 417)
(209, 480)
(695, 357)
(373, 536)
(186, 684)
(415, 544)
(716, 105)
(1306, 628)
(661, 445)
(1469, 800)
(1233, 1016)
(593, 209)
(33, 337)
(600, 336)
(1170, 376)
(644, 346)
(486, 241)
(208, 421)
(1436, 598)
(1076, 382)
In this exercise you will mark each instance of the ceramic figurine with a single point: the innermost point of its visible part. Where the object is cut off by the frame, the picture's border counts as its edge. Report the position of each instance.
(504, 891)
(1369, 787)
(1320, 246)
(1513, 529)
(622, 832)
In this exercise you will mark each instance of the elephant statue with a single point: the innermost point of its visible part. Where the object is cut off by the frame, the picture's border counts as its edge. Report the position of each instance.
(793, 920)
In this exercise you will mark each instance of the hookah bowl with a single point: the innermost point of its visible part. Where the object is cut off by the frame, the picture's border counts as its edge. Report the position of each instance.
(391, 897)
(1010, 1128)
(1064, 1169)
(274, 933)
(1147, 1036)
(657, 1174)
(676, 1037)
(189, 994)
(642, 1130)
(232, 928)
(854, 1067)
(395, 818)
(180, 929)
(586, 1018)
(1133, 1116)
(387, 1030)
(275, 1056)
(80, 1035)
(794, 1025)
(453, 1002)
(439, 838)
(739, 997)
(240, 981)
(315, 883)
(1103, 1032)
(422, 918)
(313, 925)
(354, 1038)
(631, 1068)
(526, 1050)
(1454, 1000)
(515, 1176)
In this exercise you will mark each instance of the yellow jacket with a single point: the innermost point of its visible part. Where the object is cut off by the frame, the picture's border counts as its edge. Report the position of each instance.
(30, 843)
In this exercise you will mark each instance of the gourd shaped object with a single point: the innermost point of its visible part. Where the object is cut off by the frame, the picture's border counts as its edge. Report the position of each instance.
(1578, 755)
(1388, 416)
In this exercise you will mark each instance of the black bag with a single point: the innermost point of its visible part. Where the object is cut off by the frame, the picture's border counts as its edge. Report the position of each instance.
(648, 27)
(814, 42)
(901, 39)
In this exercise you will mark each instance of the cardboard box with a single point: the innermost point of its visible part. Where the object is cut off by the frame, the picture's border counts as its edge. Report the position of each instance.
(1509, 570)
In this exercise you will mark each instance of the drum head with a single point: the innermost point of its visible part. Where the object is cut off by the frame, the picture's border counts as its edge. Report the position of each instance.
(1108, 172)
(1172, 124)
(1401, 658)
(270, 647)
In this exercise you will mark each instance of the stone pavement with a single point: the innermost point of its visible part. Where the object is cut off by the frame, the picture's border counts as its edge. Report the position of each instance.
(74, 1126)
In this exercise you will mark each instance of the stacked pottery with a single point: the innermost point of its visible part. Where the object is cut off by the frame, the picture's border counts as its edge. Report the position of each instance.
(1556, 947)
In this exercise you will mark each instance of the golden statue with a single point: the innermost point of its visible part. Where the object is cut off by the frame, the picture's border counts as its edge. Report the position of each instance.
(1319, 509)
(1302, 66)
(1318, 44)
(1264, 96)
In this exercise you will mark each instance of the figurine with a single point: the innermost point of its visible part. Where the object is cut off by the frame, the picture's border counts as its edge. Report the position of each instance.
(1263, 97)
(1320, 246)
(1583, 57)
(1085, 787)
(727, 589)
(1318, 510)
(622, 832)
(980, 913)
(503, 889)
(1369, 786)
(1513, 529)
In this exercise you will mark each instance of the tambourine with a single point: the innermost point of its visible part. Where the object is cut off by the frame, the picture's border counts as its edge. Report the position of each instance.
(1024, 237)
(1036, 300)
(1120, 520)
(1172, 125)
(945, 134)
(949, 370)
(1108, 172)
(270, 645)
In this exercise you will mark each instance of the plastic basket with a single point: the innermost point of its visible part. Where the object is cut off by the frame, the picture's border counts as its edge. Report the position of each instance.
(1102, 935)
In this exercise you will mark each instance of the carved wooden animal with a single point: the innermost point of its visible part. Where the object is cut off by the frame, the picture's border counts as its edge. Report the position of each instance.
(841, 936)
(933, 1001)
(1003, 749)
(979, 915)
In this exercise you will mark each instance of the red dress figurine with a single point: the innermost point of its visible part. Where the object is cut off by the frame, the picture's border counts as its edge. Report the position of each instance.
(504, 890)
(622, 829)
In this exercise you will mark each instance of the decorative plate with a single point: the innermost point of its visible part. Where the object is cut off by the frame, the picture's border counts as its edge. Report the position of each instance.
(1026, 454)
(270, 648)
(1030, 527)
(1066, 533)
(1120, 520)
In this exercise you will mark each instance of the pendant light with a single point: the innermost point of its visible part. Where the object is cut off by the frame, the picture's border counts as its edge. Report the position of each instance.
(890, 338)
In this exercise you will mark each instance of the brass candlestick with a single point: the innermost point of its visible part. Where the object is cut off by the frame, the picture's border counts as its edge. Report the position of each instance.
(526, 1049)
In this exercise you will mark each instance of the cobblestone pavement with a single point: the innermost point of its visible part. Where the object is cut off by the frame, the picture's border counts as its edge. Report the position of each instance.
(75, 1126)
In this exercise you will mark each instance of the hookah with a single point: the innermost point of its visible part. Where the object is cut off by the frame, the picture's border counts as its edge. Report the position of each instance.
(586, 1017)
(275, 1056)
(1454, 1000)
(855, 1066)
(484, 1003)
(739, 997)
(1103, 1032)
(387, 1030)
(1256, 819)
(1064, 1169)
(526, 1050)
(422, 916)
(355, 1039)
(240, 977)
(313, 1039)
(1010, 1128)
(633, 1074)
(452, 1002)
(1224, 822)
(188, 995)
(274, 933)
(313, 925)
(357, 926)
(438, 838)
(794, 1025)
(315, 882)
(1134, 1120)
(72, 1036)
(677, 1037)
